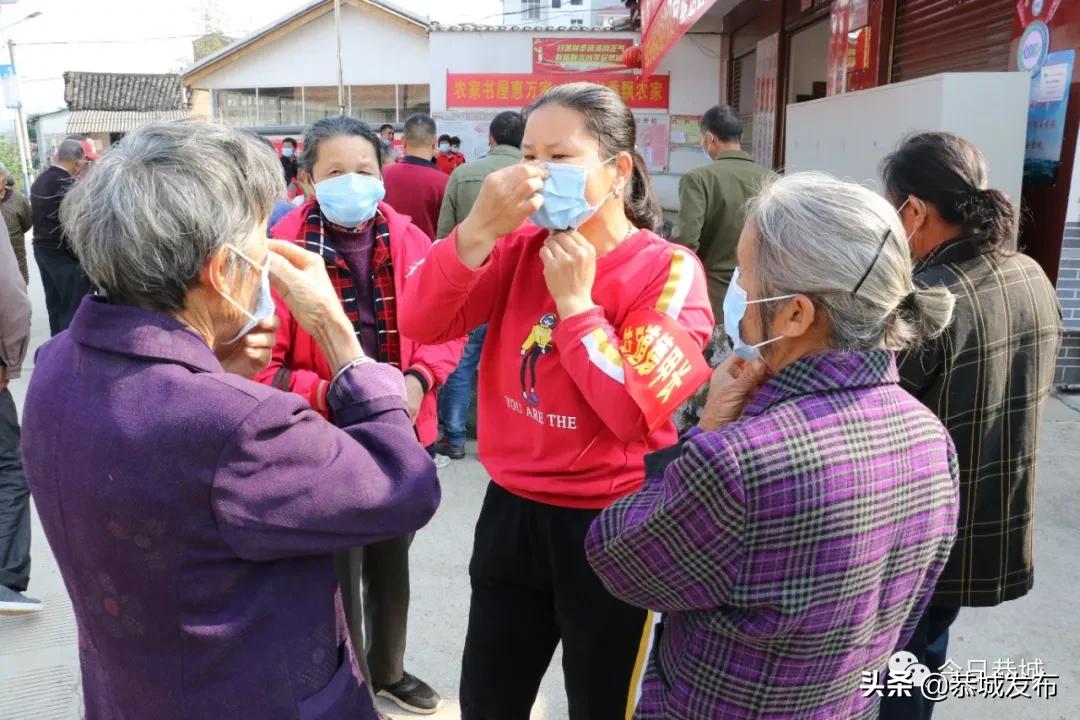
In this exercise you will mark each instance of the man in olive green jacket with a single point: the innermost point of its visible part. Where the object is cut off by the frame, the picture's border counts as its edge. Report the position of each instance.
(504, 139)
(712, 200)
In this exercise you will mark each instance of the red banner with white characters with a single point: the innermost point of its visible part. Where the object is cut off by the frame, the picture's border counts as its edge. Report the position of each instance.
(491, 90)
(662, 363)
(670, 20)
(576, 55)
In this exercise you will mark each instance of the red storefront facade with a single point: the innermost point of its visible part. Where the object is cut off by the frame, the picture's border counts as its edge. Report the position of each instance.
(780, 52)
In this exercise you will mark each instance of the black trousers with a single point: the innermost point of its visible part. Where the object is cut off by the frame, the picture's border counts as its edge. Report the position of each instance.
(930, 644)
(531, 588)
(14, 502)
(65, 285)
(375, 593)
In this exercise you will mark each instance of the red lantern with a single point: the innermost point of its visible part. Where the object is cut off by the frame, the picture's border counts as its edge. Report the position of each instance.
(631, 56)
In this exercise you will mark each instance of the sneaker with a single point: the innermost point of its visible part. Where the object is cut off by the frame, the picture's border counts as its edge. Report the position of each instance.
(15, 603)
(442, 461)
(412, 694)
(454, 452)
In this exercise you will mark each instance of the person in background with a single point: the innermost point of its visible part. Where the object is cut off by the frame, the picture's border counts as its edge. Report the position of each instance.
(987, 377)
(794, 543)
(504, 143)
(413, 186)
(388, 153)
(455, 146)
(368, 248)
(18, 216)
(192, 512)
(572, 399)
(64, 280)
(446, 160)
(14, 495)
(288, 159)
(386, 133)
(713, 199)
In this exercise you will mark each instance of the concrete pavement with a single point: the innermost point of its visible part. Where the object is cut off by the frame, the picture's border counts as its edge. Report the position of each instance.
(39, 676)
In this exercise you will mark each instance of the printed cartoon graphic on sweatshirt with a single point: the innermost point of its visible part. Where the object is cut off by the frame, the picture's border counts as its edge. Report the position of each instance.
(537, 344)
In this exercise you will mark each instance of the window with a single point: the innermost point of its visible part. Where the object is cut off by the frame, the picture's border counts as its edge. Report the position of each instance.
(414, 99)
(556, 4)
(575, 2)
(281, 106)
(321, 102)
(374, 103)
(577, 22)
(532, 9)
(237, 107)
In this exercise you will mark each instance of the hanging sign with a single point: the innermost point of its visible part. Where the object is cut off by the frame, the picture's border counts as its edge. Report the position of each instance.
(491, 90)
(575, 55)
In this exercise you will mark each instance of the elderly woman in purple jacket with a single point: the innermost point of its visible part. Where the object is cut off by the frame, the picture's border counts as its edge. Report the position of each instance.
(795, 542)
(193, 512)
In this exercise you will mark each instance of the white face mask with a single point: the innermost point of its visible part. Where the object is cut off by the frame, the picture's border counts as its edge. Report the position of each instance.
(735, 303)
(264, 306)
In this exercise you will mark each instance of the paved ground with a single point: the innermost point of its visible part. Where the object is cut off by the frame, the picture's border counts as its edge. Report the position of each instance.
(39, 677)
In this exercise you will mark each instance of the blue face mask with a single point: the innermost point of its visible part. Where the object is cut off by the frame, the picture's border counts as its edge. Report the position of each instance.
(349, 200)
(735, 303)
(287, 152)
(565, 206)
(264, 306)
(444, 147)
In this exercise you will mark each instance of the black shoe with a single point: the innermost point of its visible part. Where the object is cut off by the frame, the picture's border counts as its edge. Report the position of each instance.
(412, 694)
(454, 452)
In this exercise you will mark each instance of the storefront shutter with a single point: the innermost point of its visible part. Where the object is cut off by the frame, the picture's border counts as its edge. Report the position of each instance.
(742, 95)
(934, 36)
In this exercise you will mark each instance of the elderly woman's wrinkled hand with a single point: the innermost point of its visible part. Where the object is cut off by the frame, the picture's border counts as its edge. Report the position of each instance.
(734, 384)
(250, 355)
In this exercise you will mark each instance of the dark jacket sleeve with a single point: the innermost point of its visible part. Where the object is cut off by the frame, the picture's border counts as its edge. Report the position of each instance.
(290, 484)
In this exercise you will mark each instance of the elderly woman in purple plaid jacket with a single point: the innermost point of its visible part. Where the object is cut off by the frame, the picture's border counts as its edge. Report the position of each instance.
(793, 544)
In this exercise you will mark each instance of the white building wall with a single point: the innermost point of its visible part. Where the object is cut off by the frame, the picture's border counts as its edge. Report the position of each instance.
(694, 65)
(375, 50)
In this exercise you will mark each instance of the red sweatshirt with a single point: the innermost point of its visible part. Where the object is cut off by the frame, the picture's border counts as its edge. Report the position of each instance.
(557, 421)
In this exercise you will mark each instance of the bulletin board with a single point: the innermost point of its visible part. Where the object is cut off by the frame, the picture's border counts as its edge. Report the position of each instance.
(652, 141)
(686, 130)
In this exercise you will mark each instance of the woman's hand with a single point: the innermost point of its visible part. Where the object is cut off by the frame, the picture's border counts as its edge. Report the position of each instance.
(300, 278)
(734, 384)
(570, 270)
(250, 355)
(414, 396)
(506, 198)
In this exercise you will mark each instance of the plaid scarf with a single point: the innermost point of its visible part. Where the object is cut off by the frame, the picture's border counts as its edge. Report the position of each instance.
(382, 279)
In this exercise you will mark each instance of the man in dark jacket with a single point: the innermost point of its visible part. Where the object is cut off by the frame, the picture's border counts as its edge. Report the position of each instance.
(712, 200)
(64, 280)
(413, 186)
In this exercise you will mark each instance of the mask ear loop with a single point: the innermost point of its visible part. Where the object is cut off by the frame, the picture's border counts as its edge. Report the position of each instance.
(227, 296)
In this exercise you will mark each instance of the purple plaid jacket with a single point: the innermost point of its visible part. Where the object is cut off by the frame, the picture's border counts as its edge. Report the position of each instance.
(791, 550)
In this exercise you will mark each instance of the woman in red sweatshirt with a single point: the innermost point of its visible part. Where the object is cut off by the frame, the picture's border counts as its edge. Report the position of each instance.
(595, 331)
(368, 249)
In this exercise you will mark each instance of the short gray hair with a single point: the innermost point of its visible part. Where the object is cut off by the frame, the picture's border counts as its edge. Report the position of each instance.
(70, 151)
(160, 203)
(819, 237)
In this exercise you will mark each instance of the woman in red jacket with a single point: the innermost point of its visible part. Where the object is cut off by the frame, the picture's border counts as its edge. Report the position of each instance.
(369, 250)
(595, 331)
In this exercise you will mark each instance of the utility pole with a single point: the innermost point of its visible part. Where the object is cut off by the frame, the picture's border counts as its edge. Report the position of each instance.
(23, 133)
(340, 70)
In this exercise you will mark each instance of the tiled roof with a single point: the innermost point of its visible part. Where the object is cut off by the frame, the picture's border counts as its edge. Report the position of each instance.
(123, 91)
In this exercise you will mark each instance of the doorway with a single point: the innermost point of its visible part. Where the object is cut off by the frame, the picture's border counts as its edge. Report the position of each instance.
(808, 62)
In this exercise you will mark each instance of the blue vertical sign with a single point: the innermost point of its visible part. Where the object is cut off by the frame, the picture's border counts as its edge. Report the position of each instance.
(1048, 102)
(10, 84)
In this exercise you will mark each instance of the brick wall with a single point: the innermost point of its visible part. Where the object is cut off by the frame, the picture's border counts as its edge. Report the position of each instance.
(1068, 288)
